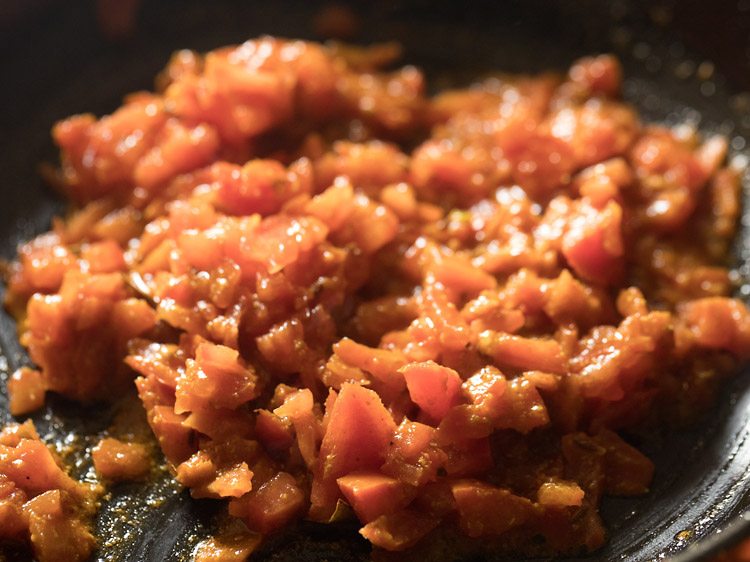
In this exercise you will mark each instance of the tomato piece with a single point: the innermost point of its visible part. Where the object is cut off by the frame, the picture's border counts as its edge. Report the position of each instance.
(216, 376)
(398, 531)
(334, 206)
(372, 494)
(444, 320)
(560, 494)
(464, 422)
(529, 354)
(176, 440)
(627, 471)
(103, 257)
(273, 432)
(26, 390)
(260, 186)
(485, 389)
(119, 461)
(593, 244)
(486, 510)
(383, 364)
(221, 468)
(279, 240)
(524, 408)
(12, 525)
(56, 532)
(598, 75)
(358, 433)
(458, 274)
(272, 506)
(432, 387)
(32, 467)
(414, 457)
(717, 323)
(298, 407)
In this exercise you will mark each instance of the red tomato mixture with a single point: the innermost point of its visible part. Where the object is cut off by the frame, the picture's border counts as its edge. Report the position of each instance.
(338, 296)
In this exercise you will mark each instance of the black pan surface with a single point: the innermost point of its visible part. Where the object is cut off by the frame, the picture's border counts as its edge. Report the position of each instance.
(54, 64)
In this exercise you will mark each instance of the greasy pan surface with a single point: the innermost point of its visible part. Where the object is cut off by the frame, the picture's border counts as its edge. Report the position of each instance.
(55, 64)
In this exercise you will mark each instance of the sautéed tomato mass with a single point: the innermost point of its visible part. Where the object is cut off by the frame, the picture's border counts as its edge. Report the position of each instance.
(338, 297)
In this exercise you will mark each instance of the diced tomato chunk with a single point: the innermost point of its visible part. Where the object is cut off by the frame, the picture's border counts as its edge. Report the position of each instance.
(398, 531)
(434, 388)
(414, 457)
(32, 467)
(272, 506)
(273, 432)
(120, 461)
(56, 532)
(560, 494)
(215, 376)
(26, 390)
(718, 323)
(358, 433)
(628, 472)
(525, 353)
(599, 75)
(176, 440)
(486, 510)
(593, 243)
(372, 494)
(485, 389)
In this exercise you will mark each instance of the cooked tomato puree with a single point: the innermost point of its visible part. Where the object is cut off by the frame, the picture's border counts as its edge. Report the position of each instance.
(442, 315)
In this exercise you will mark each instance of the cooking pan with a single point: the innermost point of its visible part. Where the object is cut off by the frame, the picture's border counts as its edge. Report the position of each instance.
(685, 62)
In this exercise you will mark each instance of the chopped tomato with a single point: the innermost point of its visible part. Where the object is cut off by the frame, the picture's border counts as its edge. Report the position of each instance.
(117, 460)
(398, 531)
(434, 388)
(486, 510)
(372, 494)
(358, 433)
(272, 506)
